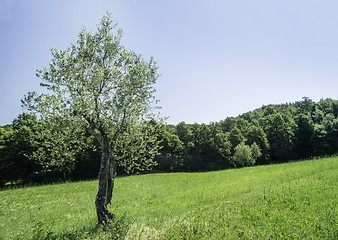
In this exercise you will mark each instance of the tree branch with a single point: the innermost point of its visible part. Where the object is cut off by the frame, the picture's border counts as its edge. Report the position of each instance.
(119, 129)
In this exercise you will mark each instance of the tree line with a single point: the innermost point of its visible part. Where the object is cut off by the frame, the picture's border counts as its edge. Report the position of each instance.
(270, 134)
(32, 150)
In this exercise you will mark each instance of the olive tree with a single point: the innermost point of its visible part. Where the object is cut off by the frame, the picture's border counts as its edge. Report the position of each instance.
(109, 90)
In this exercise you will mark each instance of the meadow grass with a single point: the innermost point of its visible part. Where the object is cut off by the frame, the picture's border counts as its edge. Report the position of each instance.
(286, 201)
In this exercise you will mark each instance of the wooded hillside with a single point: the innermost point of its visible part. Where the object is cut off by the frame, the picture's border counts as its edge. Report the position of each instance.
(30, 151)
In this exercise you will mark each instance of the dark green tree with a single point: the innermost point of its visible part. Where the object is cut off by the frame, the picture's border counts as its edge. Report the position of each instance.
(171, 157)
(235, 138)
(221, 148)
(16, 147)
(304, 137)
(185, 134)
(255, 134)
(280, 129)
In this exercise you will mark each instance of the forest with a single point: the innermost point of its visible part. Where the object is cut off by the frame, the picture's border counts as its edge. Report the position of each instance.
(32, 151)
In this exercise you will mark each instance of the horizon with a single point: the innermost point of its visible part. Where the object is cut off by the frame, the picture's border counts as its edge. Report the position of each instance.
(216, 59)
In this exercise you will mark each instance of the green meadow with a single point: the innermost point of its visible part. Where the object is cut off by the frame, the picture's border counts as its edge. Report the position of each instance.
(295, 200)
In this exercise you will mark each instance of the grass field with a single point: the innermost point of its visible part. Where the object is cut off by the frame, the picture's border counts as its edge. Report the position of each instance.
(287, 201)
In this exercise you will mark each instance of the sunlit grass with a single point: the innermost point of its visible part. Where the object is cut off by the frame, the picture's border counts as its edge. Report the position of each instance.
(56, 208)
(294, 200)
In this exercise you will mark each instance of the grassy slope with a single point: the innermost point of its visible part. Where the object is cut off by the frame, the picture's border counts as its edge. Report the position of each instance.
(294, 200)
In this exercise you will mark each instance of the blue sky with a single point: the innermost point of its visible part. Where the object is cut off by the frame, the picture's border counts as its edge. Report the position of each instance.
(217, 58)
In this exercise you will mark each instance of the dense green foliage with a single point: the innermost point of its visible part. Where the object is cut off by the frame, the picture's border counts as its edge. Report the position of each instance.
(32, 151)
(270, 134)
(281, 201)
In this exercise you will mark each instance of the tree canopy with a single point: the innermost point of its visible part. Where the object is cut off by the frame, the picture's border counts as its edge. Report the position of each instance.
(98, 85)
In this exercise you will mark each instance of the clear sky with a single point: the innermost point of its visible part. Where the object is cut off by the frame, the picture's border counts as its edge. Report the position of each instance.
(217, 58)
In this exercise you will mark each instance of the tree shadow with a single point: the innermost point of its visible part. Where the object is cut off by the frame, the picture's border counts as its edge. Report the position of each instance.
(114, 229)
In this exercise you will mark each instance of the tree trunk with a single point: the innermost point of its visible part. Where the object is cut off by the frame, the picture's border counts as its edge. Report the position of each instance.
(106, 183)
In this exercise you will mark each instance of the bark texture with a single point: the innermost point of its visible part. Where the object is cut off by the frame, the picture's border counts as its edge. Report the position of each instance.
(106, 183)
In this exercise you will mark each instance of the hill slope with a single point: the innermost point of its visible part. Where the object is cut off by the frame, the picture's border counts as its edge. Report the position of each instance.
(294, 200)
